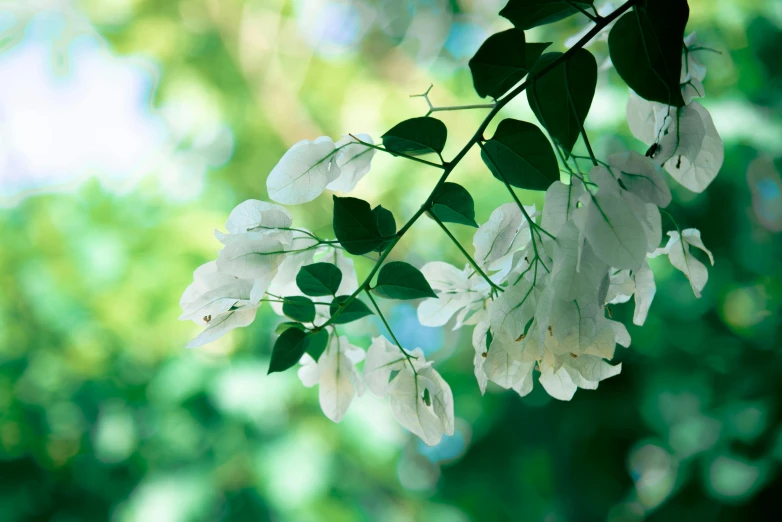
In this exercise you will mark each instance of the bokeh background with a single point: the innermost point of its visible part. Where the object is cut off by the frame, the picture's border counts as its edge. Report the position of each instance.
(128, 131)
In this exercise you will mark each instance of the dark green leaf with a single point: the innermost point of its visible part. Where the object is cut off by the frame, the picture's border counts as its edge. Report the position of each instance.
(521, 154)
(386, 225)
(526, 14)
(561, 98)
(299, 308)
(286, 325)
(499, 64)
(534, 50)
(489, 339)
(353, 311)
(355, 226)
(416, 136)
(288, 349)
(646, 49)
(400, 280)
(317, 343)
(453, 204)
(319, 279)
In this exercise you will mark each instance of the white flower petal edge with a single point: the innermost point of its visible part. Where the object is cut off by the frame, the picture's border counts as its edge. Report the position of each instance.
(303, 172)
(678, 251)
(420, 398)
(353, 160)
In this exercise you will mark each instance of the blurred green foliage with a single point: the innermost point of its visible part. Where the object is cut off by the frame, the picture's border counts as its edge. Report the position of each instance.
(104, 416)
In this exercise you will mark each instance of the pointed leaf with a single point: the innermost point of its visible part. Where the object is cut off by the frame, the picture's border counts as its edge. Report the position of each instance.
(646, 49)
(319, 279)
(355, 310)
(521, 154)
(386, 225)
(416, 136)
(453, 204)
(561, 98)
(400, 280)
(356, 226)
(526, 14)
(288, 349)
(499, 64)
(288, 325)
(317, 343)
(299, 308)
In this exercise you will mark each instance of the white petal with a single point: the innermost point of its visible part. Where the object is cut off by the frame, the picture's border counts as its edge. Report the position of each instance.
(222, 324)
(427, 421)
(303, 172)
(681, 258)
(642, 176)
(383, 358)
(337, 384)
(253, 214)
(613, 230)
(559, 205)
(647, 120)
(506, 231)
(309, 373)
(251, 255)
(479, 343)
(693, 150)
(575, 276)
(512, 310)
(644, 293)
(354, 161)
(557, 384)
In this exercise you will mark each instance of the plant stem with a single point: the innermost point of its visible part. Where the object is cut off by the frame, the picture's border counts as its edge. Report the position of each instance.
(449, 167)
(581, 10)
(466, 254)
(388, 327)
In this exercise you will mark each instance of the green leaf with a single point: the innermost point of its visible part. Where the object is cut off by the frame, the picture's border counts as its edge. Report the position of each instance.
(416, 136)
(319, 279)
(534, 50)
(299, 308)
(386, 225)
(317, 343)
(561, 98)
(526, 14)
(288, 349)
(520, 152)
(499, 64)
(400, 280)
(453, 204)
(353, 311)
(287, 325)
(355, 226)
(646, 49)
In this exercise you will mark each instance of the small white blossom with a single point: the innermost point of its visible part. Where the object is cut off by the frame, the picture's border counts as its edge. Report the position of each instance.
(353, 161)
(303, 172)
(459, 292)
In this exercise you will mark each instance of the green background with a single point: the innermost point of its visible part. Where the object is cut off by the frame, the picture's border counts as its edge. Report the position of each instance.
(105, 416)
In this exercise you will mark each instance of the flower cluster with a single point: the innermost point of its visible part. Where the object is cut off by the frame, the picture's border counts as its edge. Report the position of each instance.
(538, 285)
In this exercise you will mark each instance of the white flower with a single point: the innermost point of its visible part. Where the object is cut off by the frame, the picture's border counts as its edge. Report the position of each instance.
(461, 292)
(353, 161)
(639, 283)
(303, 172)
(693, 72)
(678, 251)
(420, 398)
(692, 149)
(336, 376)
(218, 301)
(499, 238)
(647, 120)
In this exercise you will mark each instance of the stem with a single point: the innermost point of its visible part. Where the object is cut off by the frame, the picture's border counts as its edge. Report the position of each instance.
(467, 255)
(581, 10)
(432, 108)
(388, 327)
(406, 156)
(448, 167)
